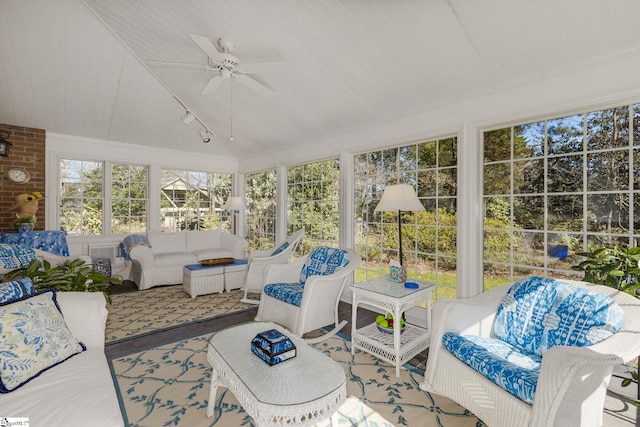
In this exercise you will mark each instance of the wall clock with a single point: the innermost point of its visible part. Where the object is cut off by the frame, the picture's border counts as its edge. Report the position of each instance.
(19, 176)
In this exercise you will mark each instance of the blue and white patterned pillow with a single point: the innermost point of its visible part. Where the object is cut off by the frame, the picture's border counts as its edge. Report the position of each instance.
(323, 261)
(35, 338)
(538, 313)
(13, 291)
(15, 256)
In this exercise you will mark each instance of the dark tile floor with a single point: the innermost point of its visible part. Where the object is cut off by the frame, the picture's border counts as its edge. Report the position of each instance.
(365, 317)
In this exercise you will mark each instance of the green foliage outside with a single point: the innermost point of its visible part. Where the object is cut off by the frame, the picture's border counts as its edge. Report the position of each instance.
(261, 210)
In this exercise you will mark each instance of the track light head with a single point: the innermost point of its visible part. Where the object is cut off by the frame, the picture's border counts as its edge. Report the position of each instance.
(188, 118)
(204, 134)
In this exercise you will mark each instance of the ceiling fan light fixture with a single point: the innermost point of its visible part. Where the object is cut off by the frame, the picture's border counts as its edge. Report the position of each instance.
(188, 118)
(204, 134)
(225, 73)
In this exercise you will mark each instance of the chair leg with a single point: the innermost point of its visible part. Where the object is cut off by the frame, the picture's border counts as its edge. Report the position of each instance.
(248, 300)
(328, 335)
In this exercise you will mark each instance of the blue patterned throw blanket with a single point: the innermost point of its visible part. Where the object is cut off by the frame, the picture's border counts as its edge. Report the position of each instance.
(131, 241)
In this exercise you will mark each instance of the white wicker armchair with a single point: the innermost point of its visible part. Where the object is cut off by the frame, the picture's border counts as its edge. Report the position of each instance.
(572, 382)
(320, 296)
(259, 259)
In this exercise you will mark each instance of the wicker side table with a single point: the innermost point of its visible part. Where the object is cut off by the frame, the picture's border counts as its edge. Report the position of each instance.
(398, 347)
(298, 392)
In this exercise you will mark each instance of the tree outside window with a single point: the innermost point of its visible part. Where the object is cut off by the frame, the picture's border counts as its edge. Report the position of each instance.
(261, 210)
(428, 237)
(559, 187)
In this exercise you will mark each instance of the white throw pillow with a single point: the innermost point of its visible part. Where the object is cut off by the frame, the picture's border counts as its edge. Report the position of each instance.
(199, 240)
(33, 338)
(162, 243)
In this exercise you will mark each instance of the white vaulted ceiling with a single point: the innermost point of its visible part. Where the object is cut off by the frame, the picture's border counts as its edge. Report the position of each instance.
(80, 67)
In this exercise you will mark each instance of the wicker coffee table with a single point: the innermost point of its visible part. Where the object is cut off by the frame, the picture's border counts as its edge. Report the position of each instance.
(298, 392)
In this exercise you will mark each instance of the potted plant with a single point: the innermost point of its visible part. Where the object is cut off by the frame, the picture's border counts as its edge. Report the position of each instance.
(617, 267)
(23, 224)
(74, 275)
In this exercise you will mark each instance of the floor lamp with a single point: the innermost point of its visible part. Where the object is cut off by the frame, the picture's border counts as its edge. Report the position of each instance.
(399, 198)
(235, 204)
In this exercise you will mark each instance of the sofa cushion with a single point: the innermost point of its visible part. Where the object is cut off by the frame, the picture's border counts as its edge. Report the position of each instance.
(174, 259)
(538, 313)
(15, 256)
(200, 240)
(287, 292)
(162, 243)
(35, 338)
(503, 364)
(323, 261)
(15, 290)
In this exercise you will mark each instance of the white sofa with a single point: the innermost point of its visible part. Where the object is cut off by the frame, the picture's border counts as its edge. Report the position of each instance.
(79, 391)
(161, 262)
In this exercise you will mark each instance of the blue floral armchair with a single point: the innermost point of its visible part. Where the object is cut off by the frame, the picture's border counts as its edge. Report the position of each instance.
(303, 295)
(539, 352)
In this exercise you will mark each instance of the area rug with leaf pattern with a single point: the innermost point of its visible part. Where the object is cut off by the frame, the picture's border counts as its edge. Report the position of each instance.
(157, 309)
(169, 385)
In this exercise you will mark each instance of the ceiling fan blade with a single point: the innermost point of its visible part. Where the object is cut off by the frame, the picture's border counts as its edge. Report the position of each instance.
(255, 86)
(264, 67)
(207, 47)
(176, 65)
(212, 85)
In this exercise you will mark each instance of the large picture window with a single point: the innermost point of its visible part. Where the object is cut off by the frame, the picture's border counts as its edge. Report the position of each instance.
(313, 200)
(87, 209)
(559, 187)
(261, 209)
(192, 200)
(428, 237)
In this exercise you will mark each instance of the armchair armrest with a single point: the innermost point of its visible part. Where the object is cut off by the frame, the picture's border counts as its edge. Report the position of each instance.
(143, 255)
(474, 315)
(260, 253)
(570, 384)
(234, 244)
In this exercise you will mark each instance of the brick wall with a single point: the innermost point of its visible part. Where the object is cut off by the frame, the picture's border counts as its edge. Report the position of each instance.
(27, 152)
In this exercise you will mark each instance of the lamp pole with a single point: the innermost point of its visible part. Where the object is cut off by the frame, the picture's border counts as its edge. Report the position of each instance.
(400, 237)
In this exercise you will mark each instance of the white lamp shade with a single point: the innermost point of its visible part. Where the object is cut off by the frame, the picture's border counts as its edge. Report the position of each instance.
(235, 204)
(399, 197)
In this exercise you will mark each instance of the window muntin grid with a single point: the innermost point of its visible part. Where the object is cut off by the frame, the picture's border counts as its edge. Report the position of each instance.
(429, 237)
(564, 183)
(313, 203)
(194, 200)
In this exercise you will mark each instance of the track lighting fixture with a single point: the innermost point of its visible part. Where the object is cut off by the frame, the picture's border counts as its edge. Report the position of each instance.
(188, 118)
(204, 134)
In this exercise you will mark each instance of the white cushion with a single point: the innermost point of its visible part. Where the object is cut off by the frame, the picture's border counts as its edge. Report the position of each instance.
(35, 338)
(162, 243)
(199, 240)
(174, 259)
(76, 393)
(86, 316)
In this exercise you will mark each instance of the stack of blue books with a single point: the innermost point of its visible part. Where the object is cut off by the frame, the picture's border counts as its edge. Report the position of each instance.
(273, 347)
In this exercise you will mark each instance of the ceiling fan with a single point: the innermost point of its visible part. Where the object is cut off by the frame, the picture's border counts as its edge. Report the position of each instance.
(227, 66)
